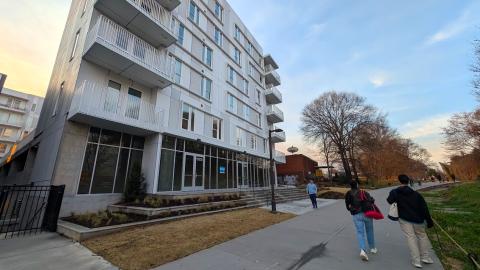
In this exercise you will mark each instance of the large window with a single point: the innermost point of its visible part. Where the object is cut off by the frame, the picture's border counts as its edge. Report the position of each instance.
(232, 103)
(181, 33)
(206, 88)
(108, 161)
(193, 12)
(177, 70)
(236, 56)
(218, 11)
(188, 117)
(222, 168)
(218, 36)
(232, 75)
(207, 55)
(3, 148)
(75, 44)
(217, 128)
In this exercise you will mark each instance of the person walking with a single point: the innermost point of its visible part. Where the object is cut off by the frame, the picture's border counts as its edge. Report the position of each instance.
(363, 224)
(413, 215)
(312, 193)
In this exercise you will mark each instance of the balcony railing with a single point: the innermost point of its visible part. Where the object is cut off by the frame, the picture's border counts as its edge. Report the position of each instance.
(278, 137)
(127, 45)
(155, 10)
(273, 95)
(271, 76)
(274, 114)
(13, 107)
(280, 157)
(120, 109)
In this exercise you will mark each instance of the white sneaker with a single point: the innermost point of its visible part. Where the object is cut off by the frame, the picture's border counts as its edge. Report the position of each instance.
(427, 261)
(363, 255)
(417, 265)
(374, 251)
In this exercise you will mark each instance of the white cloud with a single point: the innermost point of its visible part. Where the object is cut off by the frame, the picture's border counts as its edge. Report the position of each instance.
(315, 29)
(452, 29)
(378, 79)
(425, 127)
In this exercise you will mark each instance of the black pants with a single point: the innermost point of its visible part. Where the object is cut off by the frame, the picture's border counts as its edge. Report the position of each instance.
(313, 198)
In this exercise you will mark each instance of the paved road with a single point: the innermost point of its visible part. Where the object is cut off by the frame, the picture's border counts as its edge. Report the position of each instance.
(322, 239)
(48, 251)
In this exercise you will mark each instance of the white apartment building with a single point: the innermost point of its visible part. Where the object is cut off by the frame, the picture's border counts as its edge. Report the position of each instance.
(19, 113)
(181, 88)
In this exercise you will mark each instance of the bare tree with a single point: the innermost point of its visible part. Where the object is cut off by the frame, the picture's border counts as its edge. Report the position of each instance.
(476, 70)
(327, 149)
(463, 132)
(337, 116)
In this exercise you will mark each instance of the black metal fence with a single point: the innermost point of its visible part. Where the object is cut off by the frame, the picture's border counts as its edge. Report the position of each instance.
(29, 209)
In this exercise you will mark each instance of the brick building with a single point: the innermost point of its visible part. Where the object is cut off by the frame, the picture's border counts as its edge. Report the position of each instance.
(296, 169)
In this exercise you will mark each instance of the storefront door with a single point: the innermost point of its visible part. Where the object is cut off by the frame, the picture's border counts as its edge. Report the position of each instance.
(193, 172)
(242, 174)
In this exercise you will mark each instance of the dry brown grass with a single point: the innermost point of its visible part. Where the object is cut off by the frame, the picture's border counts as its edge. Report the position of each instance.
(151, 246)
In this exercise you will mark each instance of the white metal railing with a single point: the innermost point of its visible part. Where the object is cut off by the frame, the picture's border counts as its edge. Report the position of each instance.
(100, 101)
(129, 45)
(156, 11)
(269, 68)
(13, 106)
(280, 135)
(280, 157)
(274, 91)
(272, 109)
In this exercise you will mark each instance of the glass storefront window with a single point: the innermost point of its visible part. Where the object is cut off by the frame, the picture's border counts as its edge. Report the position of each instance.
(167, 163)
(110, 137)
(168, 142)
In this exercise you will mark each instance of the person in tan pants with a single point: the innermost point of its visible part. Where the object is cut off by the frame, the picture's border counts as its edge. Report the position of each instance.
(413, 216)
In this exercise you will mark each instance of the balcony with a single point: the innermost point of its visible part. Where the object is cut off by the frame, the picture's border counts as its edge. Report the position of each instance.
(274, 114)
(278, 137)
(271, 76)
(12, 107)
(269, 61)
(169, 4)
(145, 18)
(273, 95)
(111, 46)
(280, 157)
(97, 105)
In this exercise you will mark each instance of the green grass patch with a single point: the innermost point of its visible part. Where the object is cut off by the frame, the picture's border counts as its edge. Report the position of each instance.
(457, 210)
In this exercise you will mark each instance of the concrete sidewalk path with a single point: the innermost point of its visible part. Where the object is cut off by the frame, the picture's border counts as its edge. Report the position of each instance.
(48, 251)
(322, 239)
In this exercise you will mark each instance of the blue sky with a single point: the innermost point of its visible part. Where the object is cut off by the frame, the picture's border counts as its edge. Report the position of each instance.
(411, 59)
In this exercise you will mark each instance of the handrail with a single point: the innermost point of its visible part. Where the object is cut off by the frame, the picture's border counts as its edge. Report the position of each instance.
(274, 109)
(154, 10)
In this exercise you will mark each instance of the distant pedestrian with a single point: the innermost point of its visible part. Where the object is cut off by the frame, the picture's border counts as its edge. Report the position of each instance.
(363, 224)
(312, 193)
(413, 215)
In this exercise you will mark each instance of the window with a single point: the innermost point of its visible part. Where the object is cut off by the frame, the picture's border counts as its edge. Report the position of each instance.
(232, 75)
(206, 87)
(177, 70)
(237, 33)
(180, 33)
(246, 112)
(258, 119)
(207, 55)
(218, 37)
(110, 157)
(232, 103)
(217, 128)
(193, 12)
(34, 107)
(249, 47)
(8, 132)
(75, 44)
(236, 56)
(3, 148)
(188, 117)
(253, 142)
(245, 87)
(258, 96)
(240, 137)
(218, 11)
(57, 100)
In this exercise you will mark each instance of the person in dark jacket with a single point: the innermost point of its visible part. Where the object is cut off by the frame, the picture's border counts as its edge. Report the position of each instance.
(363, 224)
(413, 215)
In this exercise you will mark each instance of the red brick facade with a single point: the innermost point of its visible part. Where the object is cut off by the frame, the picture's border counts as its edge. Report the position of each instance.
(297, 165)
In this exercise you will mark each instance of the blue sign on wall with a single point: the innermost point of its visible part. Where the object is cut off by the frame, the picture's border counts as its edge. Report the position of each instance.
(221, 169)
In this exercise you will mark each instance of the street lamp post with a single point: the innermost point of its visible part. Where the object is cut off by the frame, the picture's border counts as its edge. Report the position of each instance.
(272, 173)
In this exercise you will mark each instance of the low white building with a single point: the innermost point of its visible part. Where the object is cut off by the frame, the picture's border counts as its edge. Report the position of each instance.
(181, 88)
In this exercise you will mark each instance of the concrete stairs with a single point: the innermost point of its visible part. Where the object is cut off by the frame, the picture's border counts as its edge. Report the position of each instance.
(262, 197)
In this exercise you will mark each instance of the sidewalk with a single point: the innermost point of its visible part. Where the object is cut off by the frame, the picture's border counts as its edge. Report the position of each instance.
(48, 251)
(322, 239)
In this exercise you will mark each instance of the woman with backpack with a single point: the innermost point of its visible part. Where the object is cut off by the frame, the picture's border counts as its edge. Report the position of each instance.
(357, 201)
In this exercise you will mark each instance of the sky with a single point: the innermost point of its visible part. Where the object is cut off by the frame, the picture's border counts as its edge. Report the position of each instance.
(411, 59)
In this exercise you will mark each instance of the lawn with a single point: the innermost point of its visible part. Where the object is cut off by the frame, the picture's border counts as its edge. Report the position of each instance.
(151, 246)
(457, 210)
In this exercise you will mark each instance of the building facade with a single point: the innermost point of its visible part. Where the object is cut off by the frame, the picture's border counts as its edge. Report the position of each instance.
(296, 169)
(180, 88)
(19, 114)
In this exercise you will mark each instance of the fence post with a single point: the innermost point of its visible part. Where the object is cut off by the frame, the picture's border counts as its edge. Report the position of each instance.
(52, 211)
